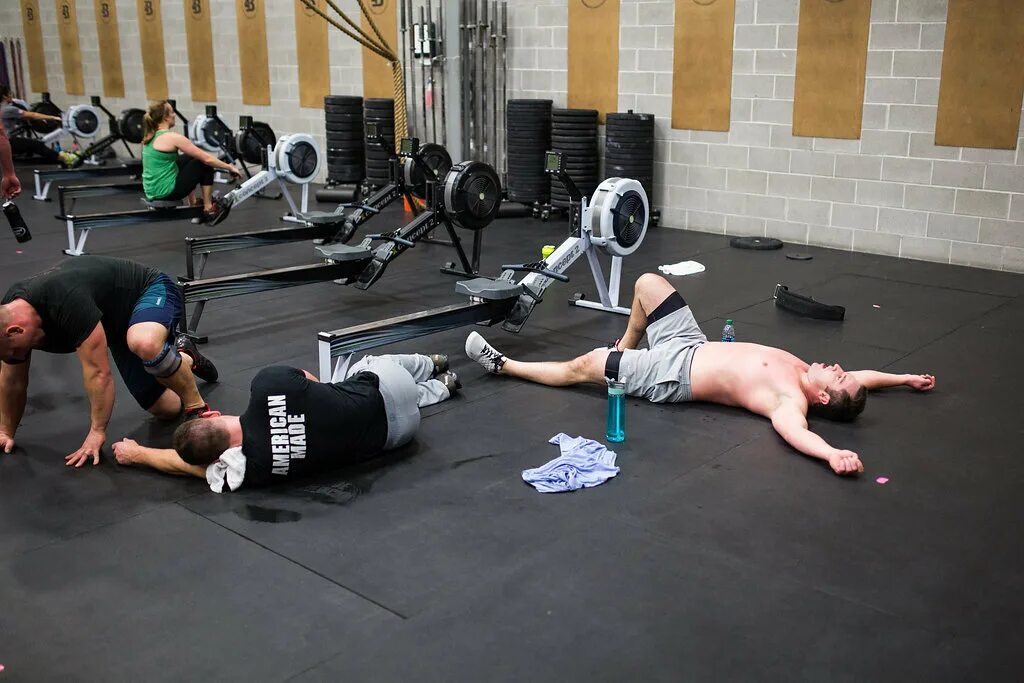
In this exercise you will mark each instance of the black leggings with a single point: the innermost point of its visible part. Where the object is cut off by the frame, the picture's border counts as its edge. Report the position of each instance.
(191, 172)
(29, 147)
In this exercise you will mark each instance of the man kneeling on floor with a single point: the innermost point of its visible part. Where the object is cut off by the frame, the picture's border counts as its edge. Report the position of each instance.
(295, 426)
(87, 305)
(681, 365)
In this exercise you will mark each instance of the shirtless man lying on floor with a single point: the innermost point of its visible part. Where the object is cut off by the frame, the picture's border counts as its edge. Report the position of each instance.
(681, 365)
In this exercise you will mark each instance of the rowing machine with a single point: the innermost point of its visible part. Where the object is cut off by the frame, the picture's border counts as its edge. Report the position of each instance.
(468, 197)
(615, 221)
(295, 158)
(336, 226)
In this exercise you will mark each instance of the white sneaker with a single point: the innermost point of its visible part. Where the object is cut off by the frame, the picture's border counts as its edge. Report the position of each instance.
(483, 353)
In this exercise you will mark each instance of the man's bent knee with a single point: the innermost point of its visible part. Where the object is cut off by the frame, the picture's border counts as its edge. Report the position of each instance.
(652, 290)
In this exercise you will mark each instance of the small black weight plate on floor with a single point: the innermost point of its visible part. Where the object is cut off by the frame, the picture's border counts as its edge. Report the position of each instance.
(756, 243)
(799, 256)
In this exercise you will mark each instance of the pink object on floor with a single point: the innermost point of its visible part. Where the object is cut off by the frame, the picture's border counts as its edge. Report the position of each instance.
(882, 480)
(875, 306)
(16, 251)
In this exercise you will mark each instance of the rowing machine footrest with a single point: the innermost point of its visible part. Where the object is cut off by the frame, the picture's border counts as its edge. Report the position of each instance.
(488, 289)
(161, 203)
(322, 217)
(344, 252)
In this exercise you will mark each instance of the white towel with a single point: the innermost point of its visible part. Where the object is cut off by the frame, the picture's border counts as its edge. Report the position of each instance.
(682, 268)
(228, 469)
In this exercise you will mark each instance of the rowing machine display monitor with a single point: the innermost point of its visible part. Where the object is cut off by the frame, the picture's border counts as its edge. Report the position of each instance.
(372, 132)
(554, 163)
(408, 147)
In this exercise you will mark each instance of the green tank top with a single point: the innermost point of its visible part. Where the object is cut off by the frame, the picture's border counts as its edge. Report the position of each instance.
(159, 170)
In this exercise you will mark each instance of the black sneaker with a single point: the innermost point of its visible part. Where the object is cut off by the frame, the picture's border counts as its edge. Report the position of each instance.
(440, 364)
(450, 380)
(196, 413)
(202, 367)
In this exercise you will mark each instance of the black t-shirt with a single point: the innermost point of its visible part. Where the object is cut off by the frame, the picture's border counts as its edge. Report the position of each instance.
(295, 427)
(77, 293)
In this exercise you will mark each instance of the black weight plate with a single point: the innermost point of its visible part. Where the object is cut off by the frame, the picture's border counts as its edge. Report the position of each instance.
(342, 99)
(574, 113)
(131, 125)
(799, 256)
(756, 243)
(615, 145)
(614, 124)
(342, 132)
(526, 102)
(344, 119)
(354, 110)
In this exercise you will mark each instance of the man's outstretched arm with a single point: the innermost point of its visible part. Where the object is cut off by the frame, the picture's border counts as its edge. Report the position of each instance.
(873, 379)
(166, 460)
(791, 424)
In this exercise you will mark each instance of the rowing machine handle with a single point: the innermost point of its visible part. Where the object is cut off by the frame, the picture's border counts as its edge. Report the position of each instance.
(533, 268)
(392, 238)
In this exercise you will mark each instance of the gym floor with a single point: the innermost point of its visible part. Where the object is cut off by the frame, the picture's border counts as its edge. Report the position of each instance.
(716, 554)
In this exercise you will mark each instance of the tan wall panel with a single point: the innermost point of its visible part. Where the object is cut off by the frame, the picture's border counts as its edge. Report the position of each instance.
(151, 42)
(594, 56)
(70, 48)
(702, 64)
(110, 48)
(831, 60)
(982, 74)
(31, 20)
(314, 63)
(199, 38)
(252, 46)
(377, 76)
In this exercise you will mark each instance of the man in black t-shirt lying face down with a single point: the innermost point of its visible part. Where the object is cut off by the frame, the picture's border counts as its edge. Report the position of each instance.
(86, 306)
(295, 426)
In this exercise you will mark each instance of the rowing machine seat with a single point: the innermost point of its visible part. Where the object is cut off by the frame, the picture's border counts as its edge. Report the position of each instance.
(344, 252)
(322, 217)
(486, 288)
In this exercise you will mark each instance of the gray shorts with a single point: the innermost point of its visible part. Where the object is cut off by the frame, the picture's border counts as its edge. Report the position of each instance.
(398, 390)
(661, 373)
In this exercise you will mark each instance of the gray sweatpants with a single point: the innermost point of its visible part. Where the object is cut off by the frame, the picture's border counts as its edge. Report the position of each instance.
(406, 386)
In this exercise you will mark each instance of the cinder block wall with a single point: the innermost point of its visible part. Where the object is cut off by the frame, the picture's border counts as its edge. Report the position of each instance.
(891, 192)
(283, 114)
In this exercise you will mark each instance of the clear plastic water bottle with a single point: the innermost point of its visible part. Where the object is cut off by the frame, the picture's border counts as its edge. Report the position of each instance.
(18, 227)
(728, 332)
(615, 428)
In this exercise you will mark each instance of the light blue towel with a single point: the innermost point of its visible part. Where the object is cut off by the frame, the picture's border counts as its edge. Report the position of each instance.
(583, 463)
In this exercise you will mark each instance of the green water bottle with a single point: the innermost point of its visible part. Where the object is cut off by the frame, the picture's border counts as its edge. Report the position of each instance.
(615, 429)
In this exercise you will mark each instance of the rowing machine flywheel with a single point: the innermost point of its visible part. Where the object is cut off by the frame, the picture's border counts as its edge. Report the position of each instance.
(298, 158)
(619, 214)
(251, 141)
(472, 194)
(131, 125)
(435, 157)
(82, 121)
(209, 133)
(45, 126)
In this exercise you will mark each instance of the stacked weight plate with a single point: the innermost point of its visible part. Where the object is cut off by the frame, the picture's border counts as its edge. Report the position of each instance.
(381, 112)
(574, 134)
(528, 131)
(345, 156)
(629, 148)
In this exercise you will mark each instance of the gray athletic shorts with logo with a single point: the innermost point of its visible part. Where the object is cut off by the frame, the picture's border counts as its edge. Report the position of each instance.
(661, 373)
